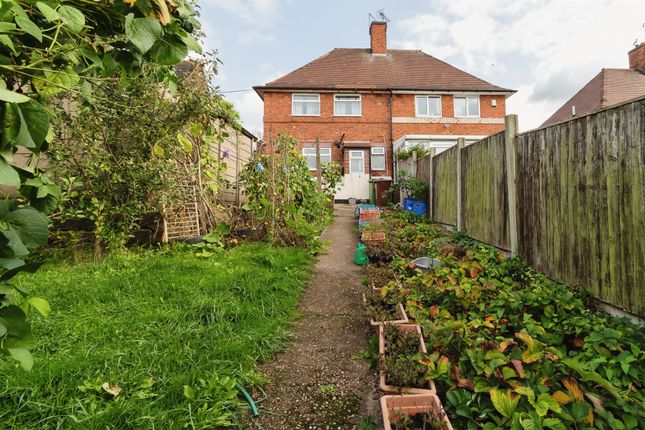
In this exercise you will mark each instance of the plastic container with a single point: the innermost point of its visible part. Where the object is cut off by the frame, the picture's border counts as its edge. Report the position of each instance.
(393, 407)
(419, 207)
(426, 263)
(407, 204)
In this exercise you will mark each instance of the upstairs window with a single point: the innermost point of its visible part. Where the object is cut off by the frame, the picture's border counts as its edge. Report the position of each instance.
(377, 158)
(347, 105)
(428, 106)
(305, 105)
(467, 106)
(310, 156)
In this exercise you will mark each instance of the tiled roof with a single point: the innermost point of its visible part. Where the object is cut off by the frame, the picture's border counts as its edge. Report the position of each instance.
(607, 88)
(358, 69)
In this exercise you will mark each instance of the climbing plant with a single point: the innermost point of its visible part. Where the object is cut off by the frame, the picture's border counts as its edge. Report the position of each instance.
(284, 195)
(46, 48)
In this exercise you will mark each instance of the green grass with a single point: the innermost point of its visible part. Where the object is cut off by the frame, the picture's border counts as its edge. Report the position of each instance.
(174, 331)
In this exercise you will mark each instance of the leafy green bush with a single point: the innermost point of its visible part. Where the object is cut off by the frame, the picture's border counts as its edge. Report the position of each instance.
(284, 195)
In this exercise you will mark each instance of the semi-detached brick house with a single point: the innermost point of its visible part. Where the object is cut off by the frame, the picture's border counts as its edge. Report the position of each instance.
(363, 104)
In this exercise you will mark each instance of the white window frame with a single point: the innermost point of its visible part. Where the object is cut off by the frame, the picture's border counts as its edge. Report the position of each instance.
(378, 151)
(468, 115)
(362, 158)
(311, 152)
(360, 101)
(428, 97)
(293, 102)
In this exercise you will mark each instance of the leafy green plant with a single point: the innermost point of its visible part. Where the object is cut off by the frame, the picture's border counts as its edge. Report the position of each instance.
(511, 348)
(420, 421)
(406, 154)
(412, 187)
(284, 195)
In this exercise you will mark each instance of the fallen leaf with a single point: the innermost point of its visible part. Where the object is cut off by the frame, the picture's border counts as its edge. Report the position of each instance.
(113, 390)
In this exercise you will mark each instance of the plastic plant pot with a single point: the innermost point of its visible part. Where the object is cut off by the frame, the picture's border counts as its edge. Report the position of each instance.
(396, 406)
(426, 263)
(392, 389)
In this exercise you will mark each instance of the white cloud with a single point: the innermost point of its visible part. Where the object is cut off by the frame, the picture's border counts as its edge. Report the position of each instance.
(547, 49)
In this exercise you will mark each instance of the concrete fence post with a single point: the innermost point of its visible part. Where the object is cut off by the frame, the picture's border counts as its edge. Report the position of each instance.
(510, 152)
(318, 165)
(460, 221)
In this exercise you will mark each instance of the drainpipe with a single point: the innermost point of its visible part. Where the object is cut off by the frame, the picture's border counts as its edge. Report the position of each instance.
(391, 137)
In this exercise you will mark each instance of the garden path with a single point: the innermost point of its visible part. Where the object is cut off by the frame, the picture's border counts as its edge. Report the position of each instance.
(317, 382)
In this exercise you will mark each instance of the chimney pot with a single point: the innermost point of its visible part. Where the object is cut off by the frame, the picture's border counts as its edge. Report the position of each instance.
(637, 57)
(378, 37)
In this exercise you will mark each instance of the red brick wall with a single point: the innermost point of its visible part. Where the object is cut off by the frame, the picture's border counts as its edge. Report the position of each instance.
(637, 57)
(378, 37)
(372, 126)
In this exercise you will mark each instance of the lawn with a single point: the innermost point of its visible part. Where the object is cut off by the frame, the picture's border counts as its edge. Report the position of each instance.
(172, 331)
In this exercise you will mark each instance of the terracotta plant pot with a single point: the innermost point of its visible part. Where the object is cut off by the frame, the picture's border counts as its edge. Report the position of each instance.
(403, 316)
(372, 237)
(391, 389)
(393, 406)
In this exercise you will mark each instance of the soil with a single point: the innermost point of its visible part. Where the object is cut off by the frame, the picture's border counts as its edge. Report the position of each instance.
(318, 382)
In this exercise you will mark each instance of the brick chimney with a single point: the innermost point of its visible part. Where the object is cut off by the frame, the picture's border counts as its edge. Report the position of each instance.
(378, 37)
(637, 57)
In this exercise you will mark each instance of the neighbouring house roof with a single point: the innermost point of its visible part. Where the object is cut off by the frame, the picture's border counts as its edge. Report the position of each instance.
(607, 88)
(359, 69)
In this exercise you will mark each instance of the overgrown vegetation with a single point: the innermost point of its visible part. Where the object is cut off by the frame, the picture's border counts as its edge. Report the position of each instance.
(509, 348)
(47, 48)
(285, 197)
(132, 151)
(407, 153)
(152, 340)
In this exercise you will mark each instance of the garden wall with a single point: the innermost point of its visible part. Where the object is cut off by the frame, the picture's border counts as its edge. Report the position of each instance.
(573, 205)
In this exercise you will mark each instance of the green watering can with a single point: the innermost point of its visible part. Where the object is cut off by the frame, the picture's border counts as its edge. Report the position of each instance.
(360, 257)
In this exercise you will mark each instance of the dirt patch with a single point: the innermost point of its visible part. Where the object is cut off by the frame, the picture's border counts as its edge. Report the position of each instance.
(317, 382)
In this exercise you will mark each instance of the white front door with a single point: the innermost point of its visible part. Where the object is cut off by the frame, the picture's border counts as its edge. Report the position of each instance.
(356, 181)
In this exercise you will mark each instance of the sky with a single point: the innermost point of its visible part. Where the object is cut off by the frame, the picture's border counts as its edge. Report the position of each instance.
(545, 49)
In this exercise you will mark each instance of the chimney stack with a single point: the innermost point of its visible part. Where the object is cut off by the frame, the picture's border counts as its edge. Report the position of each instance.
(378, 37)
(637, 57)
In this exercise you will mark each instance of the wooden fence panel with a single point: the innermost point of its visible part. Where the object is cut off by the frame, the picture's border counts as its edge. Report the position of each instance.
(484, 191)
(423, 174)
(581, 203)
(444, 195)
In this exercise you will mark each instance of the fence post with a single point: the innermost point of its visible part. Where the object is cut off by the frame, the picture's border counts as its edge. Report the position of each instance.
(318, 166)
(510, 136)
(460, 221)
(431, 184)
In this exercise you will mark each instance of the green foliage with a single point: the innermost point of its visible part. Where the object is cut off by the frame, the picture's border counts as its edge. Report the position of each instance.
(172, 330)
(284, 195)
(412, 187)
(406, 154)
(519, 350)
(121, 159)
(47, 48)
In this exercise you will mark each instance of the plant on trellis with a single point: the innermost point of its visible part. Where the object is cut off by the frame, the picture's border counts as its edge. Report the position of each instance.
(284, 195)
